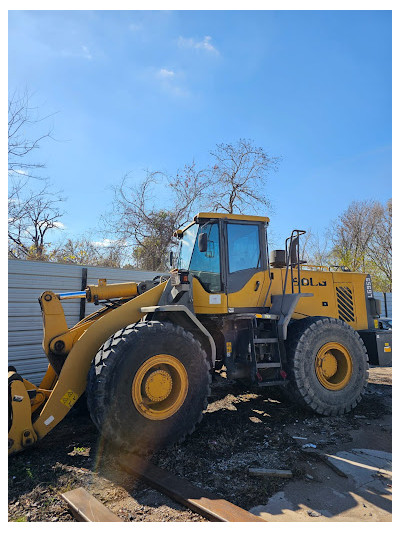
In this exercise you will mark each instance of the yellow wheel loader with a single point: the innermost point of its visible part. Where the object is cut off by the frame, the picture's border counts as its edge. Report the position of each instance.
(146, 357)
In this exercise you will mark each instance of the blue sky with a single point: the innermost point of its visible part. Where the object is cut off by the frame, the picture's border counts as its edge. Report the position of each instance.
(145, 89)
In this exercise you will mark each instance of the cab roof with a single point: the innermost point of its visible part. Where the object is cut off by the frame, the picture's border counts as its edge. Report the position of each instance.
(228, 216)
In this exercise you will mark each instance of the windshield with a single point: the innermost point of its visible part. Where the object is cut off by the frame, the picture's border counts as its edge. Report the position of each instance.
(205, 266)
(186, 246)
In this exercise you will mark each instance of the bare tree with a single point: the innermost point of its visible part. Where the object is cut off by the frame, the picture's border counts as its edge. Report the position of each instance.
(85, 251)
(32, 214)
(238, 176)
(380, 247)
(352, 233)
(234, 181)
(24, 136)
(80, 251)
(32, 211)
(140, 225)
(316, 249)
(362, 239)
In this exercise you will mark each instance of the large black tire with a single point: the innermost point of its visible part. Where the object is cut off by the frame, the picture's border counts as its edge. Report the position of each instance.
(110, 396)
(306, 339)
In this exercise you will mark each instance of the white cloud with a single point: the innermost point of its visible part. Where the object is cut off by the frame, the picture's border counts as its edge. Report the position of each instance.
(59, 225)
(135, 27)
(21, 172)
(165, 73)
(15, 201)
(82, 51)
(205, 44)
(171, 82)
(56, 225)
(85, 52)
(104, 243)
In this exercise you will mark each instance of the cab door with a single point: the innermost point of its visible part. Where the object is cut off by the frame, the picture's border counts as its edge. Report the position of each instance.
(245, 265)
(209, 295)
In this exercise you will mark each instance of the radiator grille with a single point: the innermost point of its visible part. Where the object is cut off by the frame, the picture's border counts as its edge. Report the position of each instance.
(345, 303)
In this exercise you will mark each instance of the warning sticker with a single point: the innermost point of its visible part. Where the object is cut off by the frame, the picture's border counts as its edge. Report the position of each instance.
(69, 398)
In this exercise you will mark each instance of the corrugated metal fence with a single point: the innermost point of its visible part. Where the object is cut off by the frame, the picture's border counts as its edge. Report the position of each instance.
(26, 281)
(386, 302)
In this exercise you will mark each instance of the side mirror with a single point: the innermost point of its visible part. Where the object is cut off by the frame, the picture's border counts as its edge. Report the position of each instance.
(203, 242)
(171, 258)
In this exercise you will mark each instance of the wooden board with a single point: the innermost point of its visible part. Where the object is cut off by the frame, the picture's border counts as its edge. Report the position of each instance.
(197, 499)
(86, 508)
(270, 472)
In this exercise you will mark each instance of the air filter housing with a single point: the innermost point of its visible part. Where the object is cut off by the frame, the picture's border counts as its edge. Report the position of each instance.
(277, 258)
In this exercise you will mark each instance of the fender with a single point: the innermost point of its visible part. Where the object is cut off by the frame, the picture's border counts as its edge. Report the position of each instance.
(73, 377)
(188, 318)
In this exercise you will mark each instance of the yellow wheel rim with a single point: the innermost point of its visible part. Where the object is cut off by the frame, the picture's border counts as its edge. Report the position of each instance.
(160, 387)
(333, 366)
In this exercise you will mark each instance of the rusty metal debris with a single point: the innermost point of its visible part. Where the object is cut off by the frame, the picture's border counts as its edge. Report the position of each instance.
(86, 508)
(208, 505)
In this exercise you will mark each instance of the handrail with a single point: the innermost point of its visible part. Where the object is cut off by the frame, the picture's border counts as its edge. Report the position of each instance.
(268, 266)
(293, 240)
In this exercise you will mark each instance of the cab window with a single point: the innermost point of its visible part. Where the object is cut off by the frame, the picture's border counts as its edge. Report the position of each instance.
(243, 247)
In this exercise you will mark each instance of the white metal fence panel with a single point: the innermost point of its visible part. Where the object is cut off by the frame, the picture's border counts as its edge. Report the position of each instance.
(386, 302)
(26, 281)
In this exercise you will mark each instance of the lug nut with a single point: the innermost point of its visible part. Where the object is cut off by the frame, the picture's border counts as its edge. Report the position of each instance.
(27, 433)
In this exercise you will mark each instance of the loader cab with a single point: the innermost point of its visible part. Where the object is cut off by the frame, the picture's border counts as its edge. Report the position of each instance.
(225, 252)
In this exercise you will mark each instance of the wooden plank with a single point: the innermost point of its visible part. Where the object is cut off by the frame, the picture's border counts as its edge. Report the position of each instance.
(270, 472)
(86, 508)
(197, 499)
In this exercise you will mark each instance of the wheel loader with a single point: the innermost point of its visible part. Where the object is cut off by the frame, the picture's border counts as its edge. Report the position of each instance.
(146, 357)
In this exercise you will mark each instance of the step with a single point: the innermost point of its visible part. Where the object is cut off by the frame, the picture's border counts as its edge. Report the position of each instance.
(267, 316)
(276, 382)
(269, 340)
(268, 365)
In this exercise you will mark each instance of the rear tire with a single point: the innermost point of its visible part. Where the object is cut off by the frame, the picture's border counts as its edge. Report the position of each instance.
(327, 365)
(148, 386)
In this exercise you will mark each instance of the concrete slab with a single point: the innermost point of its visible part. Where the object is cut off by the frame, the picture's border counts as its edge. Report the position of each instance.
(364, 496)
(369, 469)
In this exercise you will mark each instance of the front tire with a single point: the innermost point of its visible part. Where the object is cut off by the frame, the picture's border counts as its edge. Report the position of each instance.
(148, 386)
(328, 365)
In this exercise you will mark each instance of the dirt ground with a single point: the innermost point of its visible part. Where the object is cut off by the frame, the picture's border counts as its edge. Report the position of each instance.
(240, 429)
